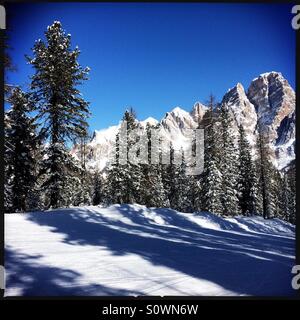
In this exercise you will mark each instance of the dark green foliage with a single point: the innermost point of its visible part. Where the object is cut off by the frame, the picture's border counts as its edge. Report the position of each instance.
(211, 180)
(21, 144)
(229, 165)
(266, 175)
(61, 109)
(123, 178)
(248, 184)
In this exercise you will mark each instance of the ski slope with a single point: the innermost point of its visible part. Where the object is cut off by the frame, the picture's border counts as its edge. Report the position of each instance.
(133, 250)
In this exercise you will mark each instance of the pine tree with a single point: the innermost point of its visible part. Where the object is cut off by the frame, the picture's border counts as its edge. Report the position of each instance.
(195, 193)
(131, 171)
(20, 149)
(181, 196)
(62, 185)
(112, 192)
(8, 66)
(168, 175)
(152, 192)
(291, 195)
(286, 197)
(211, 178)
(123, 179)
(59, 106)
(194, 182)
(8, 167)
(114, 188)
(266, 175)
(97, 196)
(247, 179)
(282, 199)
(84, 194)
(229, 165)
(279, 193)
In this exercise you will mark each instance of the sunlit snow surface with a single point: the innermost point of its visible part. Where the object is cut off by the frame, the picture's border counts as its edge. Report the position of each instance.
(132, 250)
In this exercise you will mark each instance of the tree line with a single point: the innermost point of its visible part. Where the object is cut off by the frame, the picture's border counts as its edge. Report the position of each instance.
(44, 123)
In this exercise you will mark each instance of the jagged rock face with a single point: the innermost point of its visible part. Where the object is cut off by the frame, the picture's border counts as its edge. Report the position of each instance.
(243, 111)
(99, 149)
(285, 142)
(173, 128)
(274, 101)
(198, 112)
(286, 130)
(273, 98)
(270, 100)
(178, 119)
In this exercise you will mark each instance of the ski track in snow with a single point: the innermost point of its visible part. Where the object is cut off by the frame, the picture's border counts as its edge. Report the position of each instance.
(132, 250)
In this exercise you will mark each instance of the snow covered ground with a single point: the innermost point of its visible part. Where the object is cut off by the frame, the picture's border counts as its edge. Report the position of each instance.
(132, 250)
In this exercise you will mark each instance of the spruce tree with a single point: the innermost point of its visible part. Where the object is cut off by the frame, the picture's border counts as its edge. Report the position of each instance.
(8, 67)
(211, 178)
(61, 186)
(85, 191)
(97, 196)
(168, 175)
(131, 171)
(113, 183)
(123, 179)
(152, 192)
(247, 185)
(282, 199)
(286, 209)
(8, 168)
(21, 146)
(291, 195)
(266, 175)
(59, 105)
(181, 197)
(194, 181)
(229, 165)
(195, 193)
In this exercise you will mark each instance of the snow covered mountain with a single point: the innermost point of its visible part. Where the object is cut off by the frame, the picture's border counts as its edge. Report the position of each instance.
(275, 102)
(270, 100)
(243, 110)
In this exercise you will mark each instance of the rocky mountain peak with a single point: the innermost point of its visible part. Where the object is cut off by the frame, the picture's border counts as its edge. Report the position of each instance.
(235, 95)
(150, 121)
(178, 118)
(242, 109)
(270, 101)
(274, 101)
(198, 111)
(178, 112)
(272, 97)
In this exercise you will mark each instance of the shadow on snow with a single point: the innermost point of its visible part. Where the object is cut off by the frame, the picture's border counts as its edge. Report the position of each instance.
(35, 279)
(245, 263)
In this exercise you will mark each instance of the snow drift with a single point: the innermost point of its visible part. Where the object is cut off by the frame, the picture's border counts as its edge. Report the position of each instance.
(133, 250)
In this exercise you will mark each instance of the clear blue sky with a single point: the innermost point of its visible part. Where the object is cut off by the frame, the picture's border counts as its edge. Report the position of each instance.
(155, 57)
